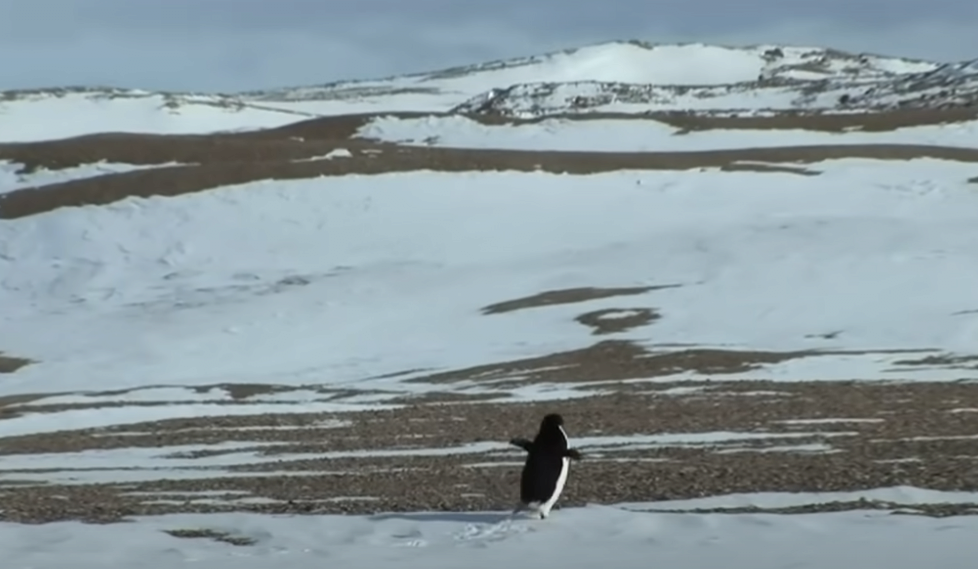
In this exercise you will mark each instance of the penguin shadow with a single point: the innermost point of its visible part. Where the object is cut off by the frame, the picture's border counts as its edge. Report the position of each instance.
(488, 518)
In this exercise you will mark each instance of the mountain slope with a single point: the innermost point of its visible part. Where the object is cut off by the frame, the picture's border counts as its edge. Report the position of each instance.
(630, 77)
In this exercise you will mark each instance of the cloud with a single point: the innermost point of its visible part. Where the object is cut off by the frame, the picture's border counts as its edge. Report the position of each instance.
(244, 44)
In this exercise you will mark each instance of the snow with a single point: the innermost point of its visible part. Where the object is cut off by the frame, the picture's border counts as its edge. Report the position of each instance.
(76, 114)
(625, 536)
(692, 64)
(44, 117)
(369, 259)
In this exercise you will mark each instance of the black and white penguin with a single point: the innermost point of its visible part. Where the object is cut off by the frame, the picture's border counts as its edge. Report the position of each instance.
(547, 463)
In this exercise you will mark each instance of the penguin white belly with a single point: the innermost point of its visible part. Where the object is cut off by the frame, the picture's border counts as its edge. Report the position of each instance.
(558, 488)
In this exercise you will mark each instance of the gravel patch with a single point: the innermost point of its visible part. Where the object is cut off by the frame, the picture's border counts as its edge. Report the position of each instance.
(10, 364)
(614, 320)
(567, 296)
(674, 441)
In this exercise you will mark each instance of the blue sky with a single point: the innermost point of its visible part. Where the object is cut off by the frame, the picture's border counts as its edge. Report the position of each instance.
(232, 45)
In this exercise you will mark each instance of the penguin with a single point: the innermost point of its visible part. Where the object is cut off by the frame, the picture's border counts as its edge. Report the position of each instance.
(545, 471)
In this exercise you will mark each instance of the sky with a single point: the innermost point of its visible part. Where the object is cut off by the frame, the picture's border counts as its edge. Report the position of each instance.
(232, 45)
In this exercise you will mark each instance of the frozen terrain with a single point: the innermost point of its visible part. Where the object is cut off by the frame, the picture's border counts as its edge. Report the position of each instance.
(231, 366)
(334, 294)
(628, 537)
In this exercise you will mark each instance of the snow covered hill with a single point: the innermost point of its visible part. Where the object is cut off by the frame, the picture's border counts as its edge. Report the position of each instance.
(631, 77)
(702, 78)
(306, 338)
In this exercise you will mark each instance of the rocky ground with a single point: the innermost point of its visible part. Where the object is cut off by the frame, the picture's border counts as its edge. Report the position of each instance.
(803, 437)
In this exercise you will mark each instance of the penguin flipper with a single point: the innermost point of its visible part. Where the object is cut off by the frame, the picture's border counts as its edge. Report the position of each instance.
(573, 453)
(524, 444)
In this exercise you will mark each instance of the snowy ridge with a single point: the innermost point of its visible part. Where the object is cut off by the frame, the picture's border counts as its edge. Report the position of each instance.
(693, 64)
(952, 84)
(806, 79)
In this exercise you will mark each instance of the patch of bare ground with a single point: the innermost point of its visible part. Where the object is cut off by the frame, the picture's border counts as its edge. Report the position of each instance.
(10, 364)
(12, 405)
(204, 533)
(941, 510)
(179, 180)
(767, 168)
(613, 320)
(812, 436)
(944, 361)
(297, 151)
(296, 141)
(877, 121)
(874, 121)
(234, 391)
(621, 360)
(568, 296)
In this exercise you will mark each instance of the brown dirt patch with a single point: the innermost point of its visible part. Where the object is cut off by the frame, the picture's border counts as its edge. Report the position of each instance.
(929, 510)
(223, 160)
(567, 296)
(10, 405)
(10, 364)
(448, 397)
(179, 180)
(877, 121)
(951, 361)
(239, 391)
(215, 535)
(236, 391)
(847, 436)
(686, 121)
(619, 360)
(613, 320)
(766, 168)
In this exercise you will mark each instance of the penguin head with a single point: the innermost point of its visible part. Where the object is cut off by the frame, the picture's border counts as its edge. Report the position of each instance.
(551, 422)
(551, 434)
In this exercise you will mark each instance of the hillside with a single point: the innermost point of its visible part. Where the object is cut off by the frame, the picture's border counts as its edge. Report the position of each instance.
(618, 77)
(302, 326)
